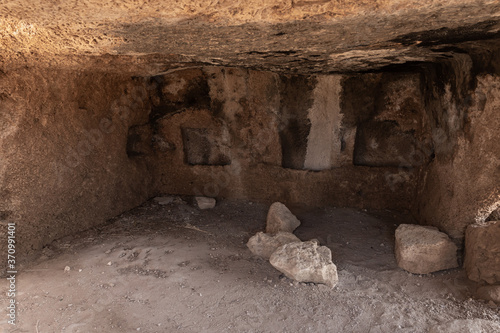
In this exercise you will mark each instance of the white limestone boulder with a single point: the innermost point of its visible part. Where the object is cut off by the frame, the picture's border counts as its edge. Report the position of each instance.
(423, 249)
(263, 245)
(306, 262)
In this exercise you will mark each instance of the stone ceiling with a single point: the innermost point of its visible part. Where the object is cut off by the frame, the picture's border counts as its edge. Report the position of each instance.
(149, 37)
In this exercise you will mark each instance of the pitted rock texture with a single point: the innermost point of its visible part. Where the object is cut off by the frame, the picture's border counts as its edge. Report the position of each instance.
(460, 186)
(489, 293)
(482, 252)
(250, 80)
(306, 262)
(280, 218)
(264, 245)
(291, 36)
(423, 250)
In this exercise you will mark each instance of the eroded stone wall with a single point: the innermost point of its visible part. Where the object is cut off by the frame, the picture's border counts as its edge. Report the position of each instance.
(80, 147)
(462, 184)
(297, 139)
(63, 164)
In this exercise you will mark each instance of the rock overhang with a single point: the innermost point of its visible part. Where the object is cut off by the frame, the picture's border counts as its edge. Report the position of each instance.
(301, 37)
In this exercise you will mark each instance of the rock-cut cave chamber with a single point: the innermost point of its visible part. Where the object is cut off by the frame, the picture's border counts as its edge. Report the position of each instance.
(304, 105)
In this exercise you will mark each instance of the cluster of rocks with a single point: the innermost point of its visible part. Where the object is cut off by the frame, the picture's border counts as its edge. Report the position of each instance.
(300, 261)
(423, 250)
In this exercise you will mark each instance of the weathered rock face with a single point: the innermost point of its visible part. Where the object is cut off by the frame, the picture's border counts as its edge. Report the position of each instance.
(489, 293)
(205, 132)
(494, 216)
(460, 186)
(482, 252)
(264, 245)
(423, 250)
(63, 164)
(306, 262)
(292, 36)
(226, 132)
(256, 135)
(313, 102)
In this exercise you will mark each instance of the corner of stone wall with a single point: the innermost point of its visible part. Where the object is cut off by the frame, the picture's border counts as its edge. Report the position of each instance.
(460, 186)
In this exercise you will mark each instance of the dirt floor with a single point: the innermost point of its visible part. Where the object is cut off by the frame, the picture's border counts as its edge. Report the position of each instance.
(175, 268)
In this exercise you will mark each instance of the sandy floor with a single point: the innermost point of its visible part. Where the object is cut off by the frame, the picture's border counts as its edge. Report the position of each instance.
(175, 268)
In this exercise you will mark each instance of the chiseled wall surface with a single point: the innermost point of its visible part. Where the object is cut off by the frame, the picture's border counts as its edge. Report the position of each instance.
(296, 139)
(63, 163)
(462, 185)
(80, 147)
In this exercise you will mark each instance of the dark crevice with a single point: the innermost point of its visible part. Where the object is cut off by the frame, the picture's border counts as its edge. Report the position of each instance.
(474, 32)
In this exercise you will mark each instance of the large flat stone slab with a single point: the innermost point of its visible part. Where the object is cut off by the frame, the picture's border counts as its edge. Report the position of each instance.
(482, 252)
(423, 250)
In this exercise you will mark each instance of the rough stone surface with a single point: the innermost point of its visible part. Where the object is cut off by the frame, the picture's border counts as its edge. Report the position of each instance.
(204, 147)
(489, 293)
(64, 167)
(306, 262)
(467, 326)
(297, 36)
(494, 216)
(280, 218)
(460, 186)
(268, 129)
(88, 131)
(153, 68)
(205, 203)
(383, 144)
(263, 245)
(423, 250)
(482, 252)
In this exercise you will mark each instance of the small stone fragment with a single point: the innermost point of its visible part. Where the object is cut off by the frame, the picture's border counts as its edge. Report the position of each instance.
(489, 293)
(205, 202)
(306, 262)
(263, 245)
(164, 200)
(482, 252)
(423, 249)
(279, 218)
(315, 240)
(67, 269)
